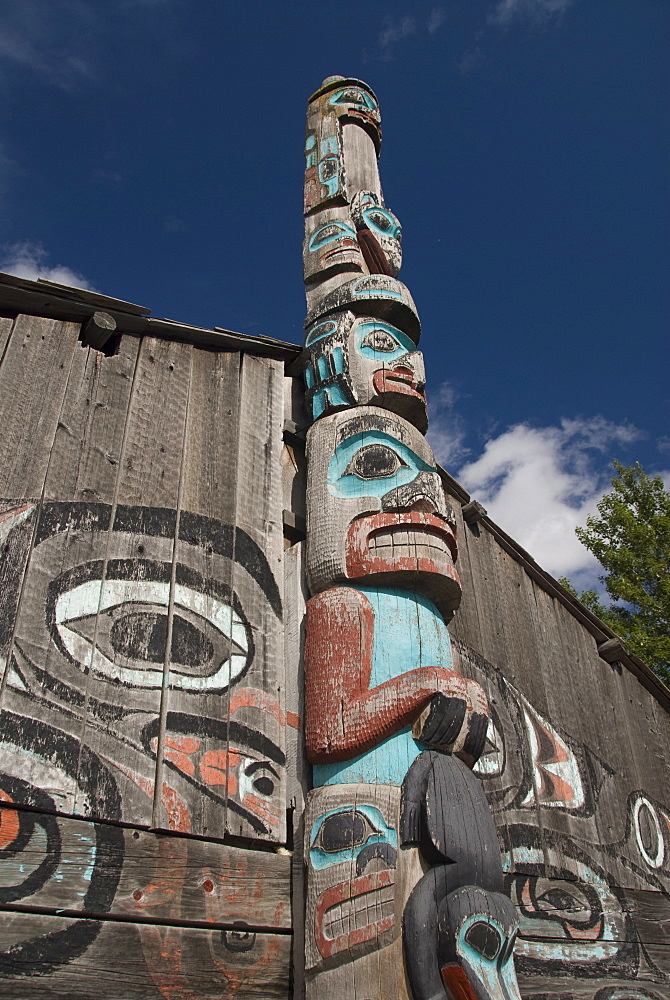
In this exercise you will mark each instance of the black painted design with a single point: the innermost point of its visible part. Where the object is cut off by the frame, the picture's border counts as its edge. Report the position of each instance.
(42, 744)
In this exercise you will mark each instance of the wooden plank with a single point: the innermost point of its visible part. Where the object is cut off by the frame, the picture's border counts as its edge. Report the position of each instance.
(514, 607)
(113, 567)
(195, 711)
(33, 378)
(6, 325)
(57, 864)
(491, 634)
(135, 604)
(44, 683)
(63, 958)
(87, 447)
(361, 171)
(465, 623)
(257, 703)
(295, 598)
(17, 523)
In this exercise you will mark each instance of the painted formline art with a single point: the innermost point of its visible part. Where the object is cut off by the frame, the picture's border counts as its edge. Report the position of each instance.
(80, 868)
(397, 904)
(88, 663)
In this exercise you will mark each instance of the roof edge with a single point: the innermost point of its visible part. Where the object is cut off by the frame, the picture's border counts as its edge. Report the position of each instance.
(64, 302)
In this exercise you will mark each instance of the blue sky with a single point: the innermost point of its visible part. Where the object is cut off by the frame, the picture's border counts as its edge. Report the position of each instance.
(152, 150)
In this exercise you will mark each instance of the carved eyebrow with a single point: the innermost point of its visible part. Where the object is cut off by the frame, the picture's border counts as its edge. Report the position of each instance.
(254, 766)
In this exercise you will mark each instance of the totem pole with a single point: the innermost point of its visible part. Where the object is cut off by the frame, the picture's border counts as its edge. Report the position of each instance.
(404, 880)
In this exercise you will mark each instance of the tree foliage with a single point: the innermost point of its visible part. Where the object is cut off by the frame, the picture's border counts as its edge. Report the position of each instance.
(631, 540)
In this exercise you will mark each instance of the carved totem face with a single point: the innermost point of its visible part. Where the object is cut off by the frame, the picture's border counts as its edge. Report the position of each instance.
(379, 234)
(338, 102)
(478, 935)
(376, 507)
(372, 362)
(332, 247)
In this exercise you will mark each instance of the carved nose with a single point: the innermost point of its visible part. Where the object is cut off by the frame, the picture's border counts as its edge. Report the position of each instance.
(422, 494)
(424, 505)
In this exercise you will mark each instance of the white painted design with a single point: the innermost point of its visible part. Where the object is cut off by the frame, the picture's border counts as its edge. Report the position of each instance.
(657, 859)
(92, 598)
(564, 769)
(11, 517)
(492, 761)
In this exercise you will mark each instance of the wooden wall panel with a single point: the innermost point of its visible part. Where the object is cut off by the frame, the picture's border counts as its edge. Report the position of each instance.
(465, 623)
(257, 714)
(130, 575)
(577, 779)
(6, 325)
(479, 555)
(87, 448)
(33, 377)
(194, 719)
(66, 959)
(61, 865)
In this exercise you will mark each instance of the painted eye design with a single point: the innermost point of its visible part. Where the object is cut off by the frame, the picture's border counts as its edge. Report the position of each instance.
(375, 461)
(382, 342)
(484, 938)
(359, 833)
(342, 831)
(328, 234)
(119, 629)
(383, 222)
(351, 95)
(379, 340)
(258, 778)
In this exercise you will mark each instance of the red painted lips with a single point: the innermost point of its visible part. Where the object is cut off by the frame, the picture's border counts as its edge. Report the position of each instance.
(396, 380)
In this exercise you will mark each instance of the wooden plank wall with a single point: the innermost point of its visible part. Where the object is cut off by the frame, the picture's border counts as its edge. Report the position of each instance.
(142, 715)
(577, 773)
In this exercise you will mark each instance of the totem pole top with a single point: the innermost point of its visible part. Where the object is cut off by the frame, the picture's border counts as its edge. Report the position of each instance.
(336, 82)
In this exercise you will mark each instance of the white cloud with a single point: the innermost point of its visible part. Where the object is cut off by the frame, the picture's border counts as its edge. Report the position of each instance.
(47, 41)
(447, 430)
(436, 19)
(538, 11)
(470, 59)
(538, 484)
(395, 29)
(29, 260)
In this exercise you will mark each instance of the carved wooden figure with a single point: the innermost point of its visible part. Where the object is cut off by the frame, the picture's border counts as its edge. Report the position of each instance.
(354, 360)
(376, 509)
(386, 705)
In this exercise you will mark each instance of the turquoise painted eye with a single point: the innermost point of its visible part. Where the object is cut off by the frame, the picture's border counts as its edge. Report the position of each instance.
(328, 234)
(342, 834)
(382, 342)
(381, 221)
(371, 464)
(352, 95)
(375, 461)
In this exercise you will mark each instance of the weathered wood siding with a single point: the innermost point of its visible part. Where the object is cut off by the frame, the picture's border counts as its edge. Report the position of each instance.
(141, 645)
(577, 773)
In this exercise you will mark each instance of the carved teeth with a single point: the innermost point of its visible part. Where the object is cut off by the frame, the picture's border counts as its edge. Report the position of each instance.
(408, 541)
(361, 911)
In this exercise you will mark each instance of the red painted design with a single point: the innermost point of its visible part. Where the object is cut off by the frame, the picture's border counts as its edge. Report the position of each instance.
(9, 821)
(398, 379)
(364, 885)
(343, 715)
(363, 559)
(457, 982)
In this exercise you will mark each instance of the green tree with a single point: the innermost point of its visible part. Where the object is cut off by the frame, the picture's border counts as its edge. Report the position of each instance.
(631, 540)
